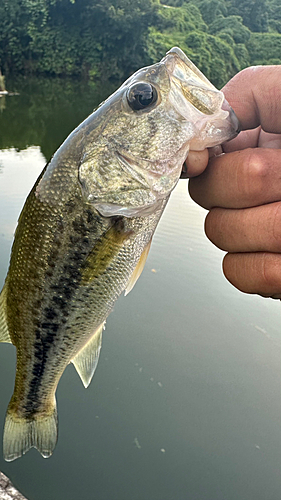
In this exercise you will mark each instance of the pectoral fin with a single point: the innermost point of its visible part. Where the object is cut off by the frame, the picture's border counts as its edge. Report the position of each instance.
(138, 269)
(86, 360)
(4, 331)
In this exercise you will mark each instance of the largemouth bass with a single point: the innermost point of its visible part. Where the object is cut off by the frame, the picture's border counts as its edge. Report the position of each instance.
(86, 227)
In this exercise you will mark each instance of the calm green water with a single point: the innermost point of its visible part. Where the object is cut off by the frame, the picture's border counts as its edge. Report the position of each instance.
(186, 400)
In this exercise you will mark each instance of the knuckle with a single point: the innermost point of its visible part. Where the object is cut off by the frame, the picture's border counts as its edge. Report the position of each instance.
(256, 173)
(257, 165)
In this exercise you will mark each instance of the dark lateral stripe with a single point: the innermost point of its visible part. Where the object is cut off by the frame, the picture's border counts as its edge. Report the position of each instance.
(55, 308)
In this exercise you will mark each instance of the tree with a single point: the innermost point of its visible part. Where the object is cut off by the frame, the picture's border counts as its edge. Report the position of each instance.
(264, 48)
(171, 27)
(253, 12)
(233, 25)
(211, 9)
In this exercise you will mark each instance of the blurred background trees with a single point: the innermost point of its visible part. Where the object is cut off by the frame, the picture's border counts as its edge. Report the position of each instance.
(107, 40)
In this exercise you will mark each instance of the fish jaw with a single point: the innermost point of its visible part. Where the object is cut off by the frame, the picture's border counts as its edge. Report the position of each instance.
(197, 100)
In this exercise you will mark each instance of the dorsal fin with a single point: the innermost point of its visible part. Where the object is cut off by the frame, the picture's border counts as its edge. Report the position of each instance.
(4, 331)
(138, 269)
(87, 358)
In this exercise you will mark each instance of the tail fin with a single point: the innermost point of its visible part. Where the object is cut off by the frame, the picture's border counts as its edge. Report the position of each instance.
(21, 434)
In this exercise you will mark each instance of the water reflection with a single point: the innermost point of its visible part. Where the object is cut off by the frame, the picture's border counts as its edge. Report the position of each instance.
(19, 171)
(45, 111)
(189, 365)
(2, 103)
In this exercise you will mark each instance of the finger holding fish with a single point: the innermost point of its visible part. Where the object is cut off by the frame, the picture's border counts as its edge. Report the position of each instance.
(240, 179)
(242, 188)
(255, 273)
(195, 163)
(229, 229)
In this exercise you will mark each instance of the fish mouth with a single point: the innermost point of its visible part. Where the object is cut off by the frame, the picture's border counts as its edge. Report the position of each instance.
(234, 120)
(196, 99)
(189, 80)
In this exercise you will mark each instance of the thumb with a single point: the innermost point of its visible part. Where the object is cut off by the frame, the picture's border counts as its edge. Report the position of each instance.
(255, 96)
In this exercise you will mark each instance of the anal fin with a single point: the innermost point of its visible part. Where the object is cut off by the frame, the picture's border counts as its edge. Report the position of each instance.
(138, 269)
(4, 331)
(87, 358)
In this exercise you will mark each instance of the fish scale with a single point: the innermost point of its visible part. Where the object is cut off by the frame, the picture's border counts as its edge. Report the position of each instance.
(85, 231)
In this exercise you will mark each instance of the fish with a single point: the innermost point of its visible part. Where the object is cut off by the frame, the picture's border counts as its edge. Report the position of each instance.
(85, 230)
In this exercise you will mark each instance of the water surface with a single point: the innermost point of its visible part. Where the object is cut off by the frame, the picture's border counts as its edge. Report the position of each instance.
(186, 400)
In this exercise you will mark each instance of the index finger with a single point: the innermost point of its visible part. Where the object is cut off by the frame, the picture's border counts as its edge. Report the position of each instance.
(241, 179)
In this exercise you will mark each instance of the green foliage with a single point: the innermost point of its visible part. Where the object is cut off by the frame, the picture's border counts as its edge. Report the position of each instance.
(184, 26)
(265, 48)
(214, 57)
(242, 55)
(171, 28)
(274, 15)
(107, 40)
(67, 37)
(211, 9)
(253, 12)
(119, 28)
(231, 25)
(179, 19)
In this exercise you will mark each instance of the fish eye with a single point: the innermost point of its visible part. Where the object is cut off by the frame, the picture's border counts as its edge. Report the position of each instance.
(141, 96)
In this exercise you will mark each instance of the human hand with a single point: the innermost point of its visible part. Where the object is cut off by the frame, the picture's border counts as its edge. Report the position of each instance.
(242, 189)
